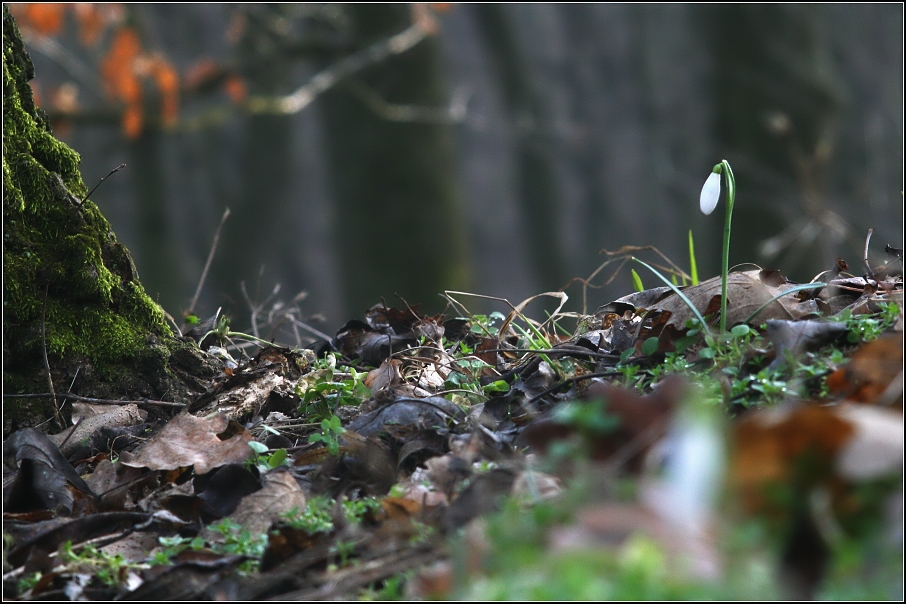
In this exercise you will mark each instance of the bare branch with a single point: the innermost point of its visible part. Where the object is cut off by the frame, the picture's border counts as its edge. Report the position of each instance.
(328, 78)
(455, 113)
(56, 410)
(96, 401)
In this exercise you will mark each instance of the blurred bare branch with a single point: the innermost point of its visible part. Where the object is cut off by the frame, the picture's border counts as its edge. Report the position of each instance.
(328, 78)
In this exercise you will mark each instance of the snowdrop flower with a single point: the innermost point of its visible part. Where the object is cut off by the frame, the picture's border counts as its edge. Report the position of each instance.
(708, 201)
(710, 192)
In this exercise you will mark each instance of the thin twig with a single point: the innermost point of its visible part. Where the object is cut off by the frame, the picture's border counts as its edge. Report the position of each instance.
(563, 351)
(56, 411)
(71, 432)
(57, 53)
(455, 113)
(868, 268)
(72, 383)
(97, 401)
(109, 174)
(173, 322)
(207, 264)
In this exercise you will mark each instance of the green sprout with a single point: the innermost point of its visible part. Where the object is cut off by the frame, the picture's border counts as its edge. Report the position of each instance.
(693, 266)
(329, 435)
(637, 281)
(264, 462)
(708, 201)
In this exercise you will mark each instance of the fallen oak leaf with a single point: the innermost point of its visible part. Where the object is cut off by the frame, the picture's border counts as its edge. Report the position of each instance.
(187, 440)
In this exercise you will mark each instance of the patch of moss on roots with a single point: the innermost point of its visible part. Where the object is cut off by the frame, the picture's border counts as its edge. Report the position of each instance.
(62, 262)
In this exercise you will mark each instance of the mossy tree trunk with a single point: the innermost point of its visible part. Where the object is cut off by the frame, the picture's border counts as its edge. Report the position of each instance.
(69, 287)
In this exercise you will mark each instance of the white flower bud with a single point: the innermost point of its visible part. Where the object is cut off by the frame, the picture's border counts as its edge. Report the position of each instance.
(710, 193)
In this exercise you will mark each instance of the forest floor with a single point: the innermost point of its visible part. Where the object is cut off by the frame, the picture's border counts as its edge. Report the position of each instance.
(633, 453)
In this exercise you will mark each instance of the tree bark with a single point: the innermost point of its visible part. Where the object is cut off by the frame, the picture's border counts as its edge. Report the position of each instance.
(71, 292)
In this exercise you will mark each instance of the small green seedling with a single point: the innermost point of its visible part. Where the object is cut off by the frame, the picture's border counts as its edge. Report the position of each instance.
(110, 569)
(637, 281)
(693, 266)
(331, 429)
(345, 550)
(221, 330)
(314, 518)
(266, 463)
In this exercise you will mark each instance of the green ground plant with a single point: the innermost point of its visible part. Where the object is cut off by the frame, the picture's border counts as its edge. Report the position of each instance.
(331, 429)
(324, 389)
(109, 569)
(236, 540)
(266, 462)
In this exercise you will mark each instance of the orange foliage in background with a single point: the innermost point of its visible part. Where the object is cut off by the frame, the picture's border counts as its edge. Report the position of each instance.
(124, 64)
(46, 19)
(236, 89)
(127, 69)
(92, 22)
(121, 80)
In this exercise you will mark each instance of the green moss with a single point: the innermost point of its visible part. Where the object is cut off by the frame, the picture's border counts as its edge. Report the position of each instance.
(61, 259)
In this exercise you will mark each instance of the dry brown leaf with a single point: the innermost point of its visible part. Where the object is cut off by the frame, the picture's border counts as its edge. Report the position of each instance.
(388, 374)
(746, 292)
(280, 494)
(187, 440)
(113, 417)
(876, 448)
(107, 481)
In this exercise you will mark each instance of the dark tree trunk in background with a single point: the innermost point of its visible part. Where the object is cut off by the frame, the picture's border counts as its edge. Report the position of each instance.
(146, 168)
(398, 224)
(532, 124)
(779, 101)
(263, 200)
(258, 212)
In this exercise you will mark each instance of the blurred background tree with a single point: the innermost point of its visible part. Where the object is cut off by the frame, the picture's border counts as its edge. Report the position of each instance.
(373, 150)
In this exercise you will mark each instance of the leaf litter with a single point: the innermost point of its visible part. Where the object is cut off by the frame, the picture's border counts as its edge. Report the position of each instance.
(464, 455)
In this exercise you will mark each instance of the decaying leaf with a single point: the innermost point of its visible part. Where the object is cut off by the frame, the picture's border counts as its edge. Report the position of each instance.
(747, 291)
(875, 449)
(111, 417)
(43, 474)
(808, 447)
(258, 510)
(625, 417)
(431, 412)
(187, 440)
(796, 337)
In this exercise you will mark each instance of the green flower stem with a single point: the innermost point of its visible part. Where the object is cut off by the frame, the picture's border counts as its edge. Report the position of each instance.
(725, 269)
